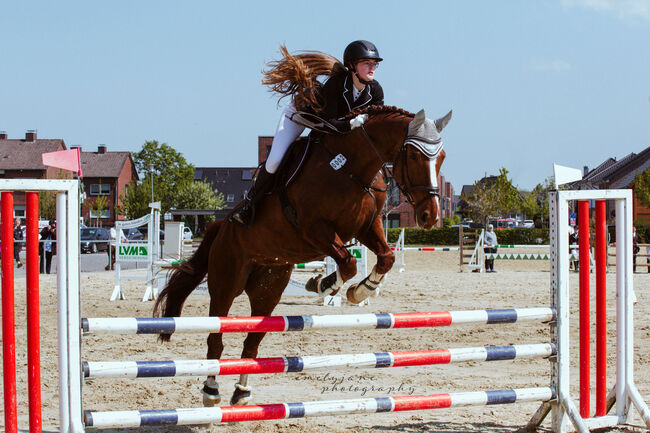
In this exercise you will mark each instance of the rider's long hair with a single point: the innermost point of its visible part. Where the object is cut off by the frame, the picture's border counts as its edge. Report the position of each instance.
(296, 75)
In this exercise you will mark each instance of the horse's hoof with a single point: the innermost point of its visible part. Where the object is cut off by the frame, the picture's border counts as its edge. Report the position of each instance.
(211, 395)
(312, 284)
(350, 295)
(241, 396)
(357, 295)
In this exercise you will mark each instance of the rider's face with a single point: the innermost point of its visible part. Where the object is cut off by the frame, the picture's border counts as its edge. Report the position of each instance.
(366, 69)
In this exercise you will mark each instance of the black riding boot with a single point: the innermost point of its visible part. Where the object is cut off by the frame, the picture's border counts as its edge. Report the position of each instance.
(262, 185)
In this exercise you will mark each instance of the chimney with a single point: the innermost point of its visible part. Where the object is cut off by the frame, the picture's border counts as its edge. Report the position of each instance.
(585, 170)
(3, 135)
(30, 135)
(101, 148)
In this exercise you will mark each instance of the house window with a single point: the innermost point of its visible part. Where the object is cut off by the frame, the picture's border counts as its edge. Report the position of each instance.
(106, 214)
(19, 211)
(393, 221)
(247, 174)
(231, 197)
(100, 189)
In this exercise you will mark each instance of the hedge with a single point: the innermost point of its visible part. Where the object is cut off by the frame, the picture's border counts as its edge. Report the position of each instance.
(537, 236)
(449, 236)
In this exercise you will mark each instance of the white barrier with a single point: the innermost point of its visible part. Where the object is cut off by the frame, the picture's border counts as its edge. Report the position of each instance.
(147, 252)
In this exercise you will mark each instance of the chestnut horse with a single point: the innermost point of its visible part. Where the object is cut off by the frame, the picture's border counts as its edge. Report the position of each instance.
(338, 195)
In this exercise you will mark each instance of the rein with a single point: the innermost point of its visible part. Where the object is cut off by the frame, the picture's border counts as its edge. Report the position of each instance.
(406, 189)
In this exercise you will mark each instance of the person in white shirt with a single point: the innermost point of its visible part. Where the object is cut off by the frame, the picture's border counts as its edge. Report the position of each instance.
(111, 250)
(489, 246)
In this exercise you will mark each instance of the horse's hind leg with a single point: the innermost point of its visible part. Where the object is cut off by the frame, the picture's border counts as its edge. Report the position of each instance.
(347, 265)
(264, 290)
(223, 292)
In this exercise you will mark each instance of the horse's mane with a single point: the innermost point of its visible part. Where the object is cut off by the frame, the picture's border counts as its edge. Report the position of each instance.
(297, 75)
(373, 110)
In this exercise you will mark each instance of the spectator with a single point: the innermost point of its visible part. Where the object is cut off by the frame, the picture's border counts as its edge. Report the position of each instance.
(489, 247)
(47, 247)
(573, 248)
(111, 250)
(636, 239)
(18, 236)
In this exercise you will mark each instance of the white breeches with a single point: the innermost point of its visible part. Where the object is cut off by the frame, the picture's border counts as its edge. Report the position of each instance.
(285, 134)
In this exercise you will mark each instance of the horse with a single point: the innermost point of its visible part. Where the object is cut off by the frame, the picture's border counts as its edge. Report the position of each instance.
(337, 195)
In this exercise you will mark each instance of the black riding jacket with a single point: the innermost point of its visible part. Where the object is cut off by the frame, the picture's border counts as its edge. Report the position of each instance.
(337, 99)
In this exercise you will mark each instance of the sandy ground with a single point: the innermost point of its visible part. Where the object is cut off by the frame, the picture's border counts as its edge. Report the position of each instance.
(431, 283)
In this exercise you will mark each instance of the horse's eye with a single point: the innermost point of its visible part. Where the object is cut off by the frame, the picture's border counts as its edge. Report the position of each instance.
(413, 156)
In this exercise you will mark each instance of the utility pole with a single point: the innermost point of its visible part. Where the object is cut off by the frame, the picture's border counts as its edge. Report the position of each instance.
(151, 171)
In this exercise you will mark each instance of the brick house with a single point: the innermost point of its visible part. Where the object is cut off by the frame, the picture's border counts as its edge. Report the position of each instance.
(232, 182)
(105, 174)
(618, 174)
(21, 159)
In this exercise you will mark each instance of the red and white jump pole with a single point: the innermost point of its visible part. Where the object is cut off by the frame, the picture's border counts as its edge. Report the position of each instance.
(33, 314)
(8, 318)
(601, 309)
(585, 335)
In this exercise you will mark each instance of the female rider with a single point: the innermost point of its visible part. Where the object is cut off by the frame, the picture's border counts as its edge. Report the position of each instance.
(350, 86)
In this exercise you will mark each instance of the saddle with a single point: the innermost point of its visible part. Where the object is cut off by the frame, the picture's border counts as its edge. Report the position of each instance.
(292, 163)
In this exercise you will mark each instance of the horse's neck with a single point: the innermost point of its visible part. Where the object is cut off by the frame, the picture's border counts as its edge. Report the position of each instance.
(366, 154)
(385, 138)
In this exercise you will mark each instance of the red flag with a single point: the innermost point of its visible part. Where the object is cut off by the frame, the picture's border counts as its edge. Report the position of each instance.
(65, 159)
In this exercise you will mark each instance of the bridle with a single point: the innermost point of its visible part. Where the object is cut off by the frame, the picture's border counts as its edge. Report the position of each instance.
(407, 187)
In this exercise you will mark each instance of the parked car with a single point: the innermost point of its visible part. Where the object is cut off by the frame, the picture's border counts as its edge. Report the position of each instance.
(91, 238)
(145, 232)
(528, 224)
(187, 233)
(133, 234)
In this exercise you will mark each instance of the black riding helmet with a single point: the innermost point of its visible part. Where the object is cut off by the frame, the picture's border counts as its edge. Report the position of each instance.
(359, 50)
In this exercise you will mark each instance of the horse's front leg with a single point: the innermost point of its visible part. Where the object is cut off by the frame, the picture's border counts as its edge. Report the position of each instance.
(376, 242)
(333, 246)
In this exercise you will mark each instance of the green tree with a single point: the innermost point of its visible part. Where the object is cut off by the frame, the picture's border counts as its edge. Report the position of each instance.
(539, 195)
(529, 205)
(492, 196)
(99, 206)
(170, 172)
(199, 195)
(47, 205)
(509, 199)
(47, 199)
(135, 201)
(642, 187)
(448, 222)
(483, 201)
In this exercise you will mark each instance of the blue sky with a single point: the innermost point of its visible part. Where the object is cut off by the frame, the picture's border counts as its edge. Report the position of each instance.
(530, 82)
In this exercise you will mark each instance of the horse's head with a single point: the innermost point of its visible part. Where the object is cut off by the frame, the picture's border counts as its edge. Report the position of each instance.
(417, 167)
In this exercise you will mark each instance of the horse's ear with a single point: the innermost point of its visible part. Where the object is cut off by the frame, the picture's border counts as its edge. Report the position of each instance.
(417, 121)
(443, 121)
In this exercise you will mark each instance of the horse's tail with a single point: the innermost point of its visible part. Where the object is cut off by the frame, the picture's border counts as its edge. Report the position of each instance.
(184, 279)
(296, 75)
